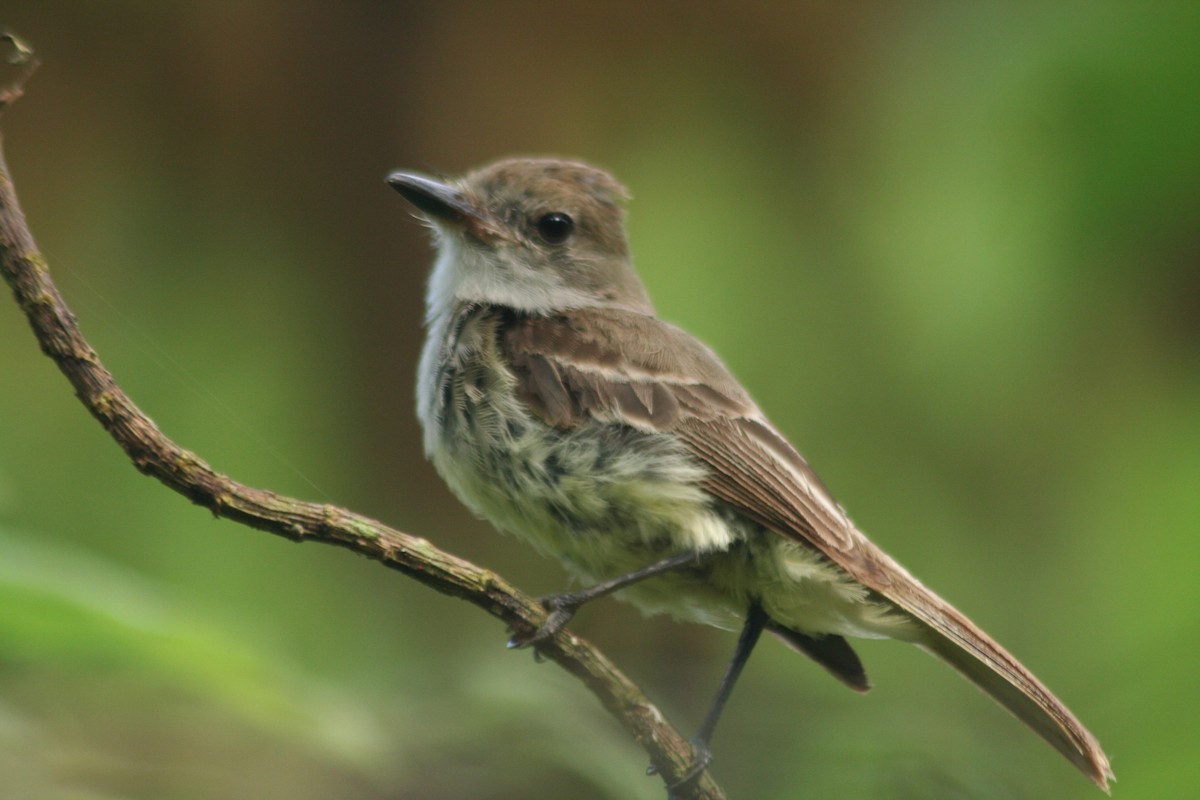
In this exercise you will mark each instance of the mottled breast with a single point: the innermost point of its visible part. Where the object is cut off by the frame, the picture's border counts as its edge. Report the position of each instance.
(606, 498)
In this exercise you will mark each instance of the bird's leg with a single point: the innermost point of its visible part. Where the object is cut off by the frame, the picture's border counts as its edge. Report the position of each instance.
(564, 605)
(756, 618)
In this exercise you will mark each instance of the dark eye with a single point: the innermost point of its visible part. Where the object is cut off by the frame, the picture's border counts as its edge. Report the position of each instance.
(555, 227)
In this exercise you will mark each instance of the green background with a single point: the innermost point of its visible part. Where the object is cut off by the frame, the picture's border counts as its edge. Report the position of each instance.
(953, 250)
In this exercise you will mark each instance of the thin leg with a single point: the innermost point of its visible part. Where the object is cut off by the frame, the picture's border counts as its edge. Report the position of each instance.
(563, 606)
(756, 619)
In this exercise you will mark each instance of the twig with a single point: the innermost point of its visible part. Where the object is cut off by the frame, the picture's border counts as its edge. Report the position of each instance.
(26, 271)
(22, 55)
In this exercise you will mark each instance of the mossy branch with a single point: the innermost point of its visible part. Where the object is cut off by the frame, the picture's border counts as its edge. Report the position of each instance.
(27, 273)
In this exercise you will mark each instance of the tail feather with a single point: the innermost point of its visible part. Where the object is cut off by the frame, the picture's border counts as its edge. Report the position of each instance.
(948, 634)
(985, 664)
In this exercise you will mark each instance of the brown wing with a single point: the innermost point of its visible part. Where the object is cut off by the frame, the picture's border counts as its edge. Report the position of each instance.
(632, 369)
(635, 370)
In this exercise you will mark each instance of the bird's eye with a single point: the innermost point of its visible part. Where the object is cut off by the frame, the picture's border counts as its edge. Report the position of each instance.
(555, 227)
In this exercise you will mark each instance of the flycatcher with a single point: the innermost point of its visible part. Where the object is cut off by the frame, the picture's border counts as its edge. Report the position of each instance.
(559, 407)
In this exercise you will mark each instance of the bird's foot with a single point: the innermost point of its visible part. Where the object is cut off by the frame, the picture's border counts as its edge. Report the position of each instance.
(562, 608)
(701, 758)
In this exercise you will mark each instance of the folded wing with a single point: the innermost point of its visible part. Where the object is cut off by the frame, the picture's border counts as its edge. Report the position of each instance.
(632, 369)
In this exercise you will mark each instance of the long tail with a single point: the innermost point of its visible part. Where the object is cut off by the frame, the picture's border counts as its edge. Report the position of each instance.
(956, 640)
(1007, 682)
(949, 635)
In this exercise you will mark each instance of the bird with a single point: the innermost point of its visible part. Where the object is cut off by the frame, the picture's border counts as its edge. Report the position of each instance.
(557, 405)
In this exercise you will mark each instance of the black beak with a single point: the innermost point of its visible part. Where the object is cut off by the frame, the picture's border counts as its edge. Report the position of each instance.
(436, 200)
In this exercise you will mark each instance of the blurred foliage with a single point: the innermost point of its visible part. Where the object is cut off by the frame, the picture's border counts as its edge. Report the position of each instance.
(953, 249)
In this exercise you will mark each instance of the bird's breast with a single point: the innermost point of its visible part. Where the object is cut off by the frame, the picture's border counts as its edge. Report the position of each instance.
(601, 496)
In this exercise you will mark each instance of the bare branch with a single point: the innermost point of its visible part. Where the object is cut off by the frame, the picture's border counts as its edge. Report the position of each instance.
(27, 273)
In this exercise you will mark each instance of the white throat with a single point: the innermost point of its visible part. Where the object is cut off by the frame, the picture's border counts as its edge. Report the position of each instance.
(466, 274)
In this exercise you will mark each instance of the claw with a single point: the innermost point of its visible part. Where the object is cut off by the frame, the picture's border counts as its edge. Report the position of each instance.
(562, 608)
(701, 758)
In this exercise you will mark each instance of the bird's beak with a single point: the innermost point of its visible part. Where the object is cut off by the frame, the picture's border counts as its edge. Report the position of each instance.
(438, 201)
